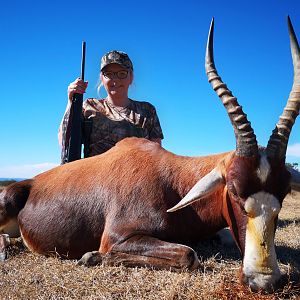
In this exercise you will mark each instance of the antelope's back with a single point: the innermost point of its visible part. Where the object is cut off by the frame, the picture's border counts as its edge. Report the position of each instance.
(69, 206)
(128, 188)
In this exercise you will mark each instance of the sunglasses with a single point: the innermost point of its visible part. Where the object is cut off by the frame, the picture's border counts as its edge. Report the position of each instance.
(120, 74)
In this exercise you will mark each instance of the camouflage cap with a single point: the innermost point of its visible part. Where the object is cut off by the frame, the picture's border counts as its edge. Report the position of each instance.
(116, 57)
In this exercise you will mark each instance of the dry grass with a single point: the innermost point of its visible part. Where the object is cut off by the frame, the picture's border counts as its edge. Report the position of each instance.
(29, 276)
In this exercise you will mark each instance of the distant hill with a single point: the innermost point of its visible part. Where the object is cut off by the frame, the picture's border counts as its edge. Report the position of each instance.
(6, 181)
(9, 179)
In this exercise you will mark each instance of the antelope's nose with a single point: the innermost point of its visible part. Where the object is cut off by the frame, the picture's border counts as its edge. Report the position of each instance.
(265, 282)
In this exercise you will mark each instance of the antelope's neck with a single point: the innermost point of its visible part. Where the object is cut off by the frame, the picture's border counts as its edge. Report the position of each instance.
(186, 171)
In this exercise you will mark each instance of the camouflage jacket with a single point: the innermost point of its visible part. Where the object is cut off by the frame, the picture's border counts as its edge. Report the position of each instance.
(111, 124)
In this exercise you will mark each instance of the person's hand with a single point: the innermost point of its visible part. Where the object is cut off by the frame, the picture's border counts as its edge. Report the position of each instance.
(78, 86)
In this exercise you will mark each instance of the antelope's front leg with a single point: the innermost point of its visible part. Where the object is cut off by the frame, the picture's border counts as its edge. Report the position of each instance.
(146, 251)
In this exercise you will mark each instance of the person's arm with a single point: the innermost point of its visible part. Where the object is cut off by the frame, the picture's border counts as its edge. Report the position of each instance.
(156, 134)
(63, 124)
(77, 86)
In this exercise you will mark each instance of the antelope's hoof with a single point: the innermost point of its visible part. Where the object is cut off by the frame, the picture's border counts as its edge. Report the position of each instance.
(3, 255)
(90, 259)
(4, 243)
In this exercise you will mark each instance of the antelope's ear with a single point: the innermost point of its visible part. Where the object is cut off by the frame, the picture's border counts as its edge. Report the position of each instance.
(204, 187)
(295, 179)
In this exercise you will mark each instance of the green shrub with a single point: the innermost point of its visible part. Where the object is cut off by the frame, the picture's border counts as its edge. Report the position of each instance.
(6, 182)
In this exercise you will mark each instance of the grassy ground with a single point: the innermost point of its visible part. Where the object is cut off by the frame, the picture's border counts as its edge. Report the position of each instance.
(29, 276)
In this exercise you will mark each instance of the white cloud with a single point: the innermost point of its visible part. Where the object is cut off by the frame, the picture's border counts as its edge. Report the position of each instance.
(25, 171)
(293, 150)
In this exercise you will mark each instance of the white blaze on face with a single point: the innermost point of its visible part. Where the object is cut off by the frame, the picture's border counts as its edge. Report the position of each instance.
(260, 264)
(264, 168)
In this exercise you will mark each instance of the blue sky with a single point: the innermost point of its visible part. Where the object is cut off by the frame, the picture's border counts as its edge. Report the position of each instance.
(40, 50)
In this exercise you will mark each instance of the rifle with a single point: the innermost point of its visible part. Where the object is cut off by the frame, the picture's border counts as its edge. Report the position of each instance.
(74, 147)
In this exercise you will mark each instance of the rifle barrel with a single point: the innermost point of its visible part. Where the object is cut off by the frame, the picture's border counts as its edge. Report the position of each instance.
(83, 61)
(74, 152)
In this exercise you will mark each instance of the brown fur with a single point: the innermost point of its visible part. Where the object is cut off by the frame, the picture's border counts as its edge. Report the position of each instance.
(97, 202)
(117, 203)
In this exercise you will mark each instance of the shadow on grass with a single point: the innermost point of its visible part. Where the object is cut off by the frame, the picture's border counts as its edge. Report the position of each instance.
(287, 255)
(16, 250)
(214, 248)
(286, 223)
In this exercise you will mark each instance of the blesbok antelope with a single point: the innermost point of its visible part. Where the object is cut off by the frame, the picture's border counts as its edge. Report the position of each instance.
(115, 207)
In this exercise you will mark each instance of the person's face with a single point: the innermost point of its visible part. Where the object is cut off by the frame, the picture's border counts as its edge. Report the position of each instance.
(116, 79)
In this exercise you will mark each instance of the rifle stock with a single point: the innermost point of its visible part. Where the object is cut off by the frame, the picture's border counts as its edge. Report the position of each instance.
(74, 149)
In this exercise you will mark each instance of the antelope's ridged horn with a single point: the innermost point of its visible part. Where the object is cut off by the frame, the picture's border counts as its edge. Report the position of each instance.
(203, 188)
(278, 141)
(246, 144)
